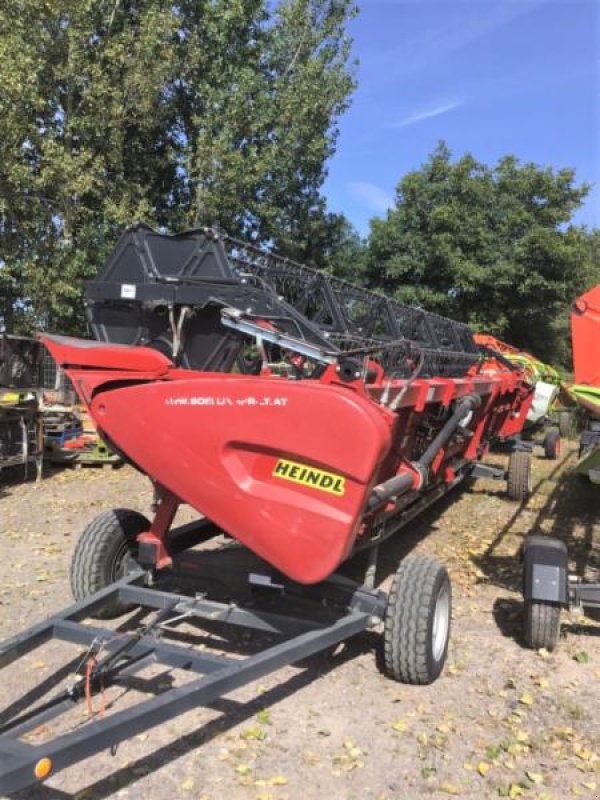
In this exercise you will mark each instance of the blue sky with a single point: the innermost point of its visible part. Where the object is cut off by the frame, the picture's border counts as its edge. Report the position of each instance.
(489, 76)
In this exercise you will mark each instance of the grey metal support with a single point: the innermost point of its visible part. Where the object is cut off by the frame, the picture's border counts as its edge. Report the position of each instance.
(348, 609)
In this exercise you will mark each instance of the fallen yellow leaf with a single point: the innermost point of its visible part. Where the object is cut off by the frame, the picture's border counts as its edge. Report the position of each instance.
(253, 733)
(278, 780)
(526, 699)
(535, 777)
(449, 788)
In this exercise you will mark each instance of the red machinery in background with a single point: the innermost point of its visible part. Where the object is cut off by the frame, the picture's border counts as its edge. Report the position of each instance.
(546, 382)
(585, 332)
(547, 584)
(298, 414)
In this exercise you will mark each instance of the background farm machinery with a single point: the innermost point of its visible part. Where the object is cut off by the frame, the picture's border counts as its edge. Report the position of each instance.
(40, 416)
(585, 391)
(70, 435)
(302, 416)
(548, 585)
(21, 435)
(544, 415)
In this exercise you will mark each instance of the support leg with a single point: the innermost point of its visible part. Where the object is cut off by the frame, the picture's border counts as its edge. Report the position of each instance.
(153, 550)
(371, 571)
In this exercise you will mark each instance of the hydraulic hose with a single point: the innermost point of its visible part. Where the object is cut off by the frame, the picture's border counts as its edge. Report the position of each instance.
(394, 487)
(466, 405)
(403, 483)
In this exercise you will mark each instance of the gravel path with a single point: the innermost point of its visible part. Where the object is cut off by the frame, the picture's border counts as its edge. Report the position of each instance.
(501, 721)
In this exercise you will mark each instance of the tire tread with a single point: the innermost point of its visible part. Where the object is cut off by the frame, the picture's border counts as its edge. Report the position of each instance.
(519, 470)
(407, 620)
(552, 444)
(542, 624)
(565, 422)
(91, 558)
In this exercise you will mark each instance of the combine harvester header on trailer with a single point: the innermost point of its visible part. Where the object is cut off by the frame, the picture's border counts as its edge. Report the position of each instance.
(301, 415)
(378, 400)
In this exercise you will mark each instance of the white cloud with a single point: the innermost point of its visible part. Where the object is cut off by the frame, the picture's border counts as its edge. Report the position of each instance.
(419, 116)
(373, 197)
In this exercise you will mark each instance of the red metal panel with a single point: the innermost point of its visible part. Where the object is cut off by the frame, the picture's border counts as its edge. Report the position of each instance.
(585, 332)
(68, 351)
(217, 444)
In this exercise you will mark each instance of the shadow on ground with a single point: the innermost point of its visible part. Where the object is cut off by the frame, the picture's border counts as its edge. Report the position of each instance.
(231, 712)
(568, 512)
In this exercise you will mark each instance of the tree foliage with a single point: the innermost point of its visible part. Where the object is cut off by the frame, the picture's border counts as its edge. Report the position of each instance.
(179, 113)
(493, 246)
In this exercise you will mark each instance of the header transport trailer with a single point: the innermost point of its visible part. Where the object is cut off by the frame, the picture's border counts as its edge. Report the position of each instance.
(302, 416)
(547, 584)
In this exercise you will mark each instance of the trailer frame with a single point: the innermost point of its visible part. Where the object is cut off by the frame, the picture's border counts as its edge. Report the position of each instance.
(345, 607)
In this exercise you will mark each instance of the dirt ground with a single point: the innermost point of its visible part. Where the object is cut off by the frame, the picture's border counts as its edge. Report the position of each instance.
(501, 721)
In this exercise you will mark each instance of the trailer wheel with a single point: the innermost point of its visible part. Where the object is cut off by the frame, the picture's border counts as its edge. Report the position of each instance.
(565, 423)
(541, 624)
(106, 551)
(417, 621)
(552, 444)
(519, 475)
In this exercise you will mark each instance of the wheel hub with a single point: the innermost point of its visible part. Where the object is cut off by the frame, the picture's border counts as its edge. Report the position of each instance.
(441, 623)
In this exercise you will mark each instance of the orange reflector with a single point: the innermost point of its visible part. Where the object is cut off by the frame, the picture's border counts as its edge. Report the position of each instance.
(43, 768)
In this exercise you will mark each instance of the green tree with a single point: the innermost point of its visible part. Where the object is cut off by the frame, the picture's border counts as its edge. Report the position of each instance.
(594, 246)
(329, 241)
(493, 246)
(183, 113)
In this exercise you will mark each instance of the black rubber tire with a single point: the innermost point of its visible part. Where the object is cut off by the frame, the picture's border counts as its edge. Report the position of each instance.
(412, 652)
(541, 624)
(552, 444)
(519, 475)
(565, 423)
(106, 551)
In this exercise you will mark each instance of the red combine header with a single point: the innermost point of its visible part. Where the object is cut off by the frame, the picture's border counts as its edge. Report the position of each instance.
(300, 471)
(353, 406)
(302, 416)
